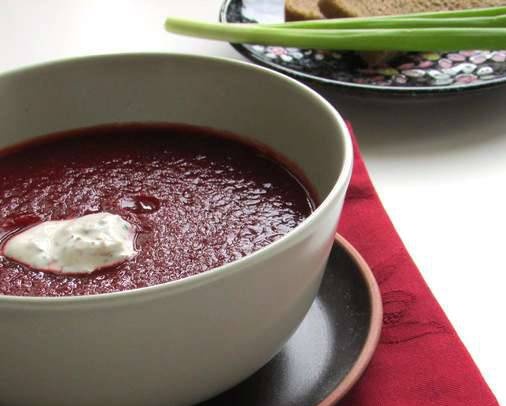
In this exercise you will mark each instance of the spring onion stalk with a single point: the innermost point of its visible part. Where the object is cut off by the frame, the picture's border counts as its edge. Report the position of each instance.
(401, 39)
(471, 12)
(331, 22)
(412, 22)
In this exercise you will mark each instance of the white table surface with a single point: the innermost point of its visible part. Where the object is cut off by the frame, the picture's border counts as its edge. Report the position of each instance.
(439, 167)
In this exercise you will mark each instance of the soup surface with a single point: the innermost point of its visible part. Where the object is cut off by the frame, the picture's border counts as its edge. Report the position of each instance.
(197, 199)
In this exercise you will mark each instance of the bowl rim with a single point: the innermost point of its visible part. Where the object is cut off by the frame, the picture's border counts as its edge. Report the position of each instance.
(191, 282)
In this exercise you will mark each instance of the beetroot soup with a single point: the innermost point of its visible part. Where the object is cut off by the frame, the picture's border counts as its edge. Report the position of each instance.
(120, 207)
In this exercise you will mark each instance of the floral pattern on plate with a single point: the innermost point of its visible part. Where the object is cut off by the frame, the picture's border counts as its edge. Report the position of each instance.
(412, 69)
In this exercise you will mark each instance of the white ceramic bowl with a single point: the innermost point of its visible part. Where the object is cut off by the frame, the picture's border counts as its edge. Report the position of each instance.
(181, 342)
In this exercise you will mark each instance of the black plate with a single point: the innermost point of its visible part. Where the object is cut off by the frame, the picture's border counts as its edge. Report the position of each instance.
(408, 74)
(331, 348)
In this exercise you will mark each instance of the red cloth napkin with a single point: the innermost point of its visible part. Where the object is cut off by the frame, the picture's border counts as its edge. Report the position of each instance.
(420, 360)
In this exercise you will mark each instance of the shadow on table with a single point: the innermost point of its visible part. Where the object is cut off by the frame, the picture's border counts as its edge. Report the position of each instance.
(419, 126)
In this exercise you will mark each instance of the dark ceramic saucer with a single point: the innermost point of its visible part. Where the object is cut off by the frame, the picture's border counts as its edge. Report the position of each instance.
(331, 348)
(409, 74)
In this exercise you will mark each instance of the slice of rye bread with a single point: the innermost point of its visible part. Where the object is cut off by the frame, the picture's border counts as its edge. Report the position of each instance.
(297, 10)
(365, 8)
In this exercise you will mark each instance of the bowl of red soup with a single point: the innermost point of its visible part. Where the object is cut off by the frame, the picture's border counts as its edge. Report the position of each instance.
(165, 221)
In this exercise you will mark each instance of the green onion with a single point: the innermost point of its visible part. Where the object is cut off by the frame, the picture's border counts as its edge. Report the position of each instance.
(374, 39)
(412, 22)
(483, 28)
(335, 22)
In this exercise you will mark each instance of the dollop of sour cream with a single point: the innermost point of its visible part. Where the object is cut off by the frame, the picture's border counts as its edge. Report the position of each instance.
(79, 245)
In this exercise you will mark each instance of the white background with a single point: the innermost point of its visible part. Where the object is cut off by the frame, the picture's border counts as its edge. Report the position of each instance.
(439, 165)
